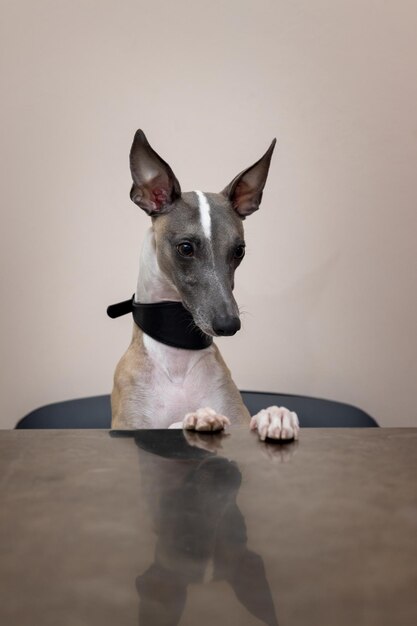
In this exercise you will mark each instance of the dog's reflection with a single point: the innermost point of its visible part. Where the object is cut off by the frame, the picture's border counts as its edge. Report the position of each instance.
(201, 533)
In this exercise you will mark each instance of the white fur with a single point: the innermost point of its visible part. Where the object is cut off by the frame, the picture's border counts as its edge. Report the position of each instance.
(180, 381)
(153, 285)
(205, 216)
(176, 364)
(276, 423)
(205, 419)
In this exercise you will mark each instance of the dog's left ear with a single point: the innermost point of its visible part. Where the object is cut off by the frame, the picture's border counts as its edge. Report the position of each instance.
(245, 190)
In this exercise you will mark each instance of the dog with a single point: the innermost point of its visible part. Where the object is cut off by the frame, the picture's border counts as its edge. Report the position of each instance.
(173, 375)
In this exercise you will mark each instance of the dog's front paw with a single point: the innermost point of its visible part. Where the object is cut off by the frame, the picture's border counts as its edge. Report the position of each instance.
(276, 423)
(206, 420)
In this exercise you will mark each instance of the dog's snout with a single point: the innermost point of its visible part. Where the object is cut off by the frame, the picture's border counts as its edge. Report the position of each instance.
(226, 325)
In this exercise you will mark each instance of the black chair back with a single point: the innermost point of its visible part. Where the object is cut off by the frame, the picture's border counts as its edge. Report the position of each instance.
(95, 412)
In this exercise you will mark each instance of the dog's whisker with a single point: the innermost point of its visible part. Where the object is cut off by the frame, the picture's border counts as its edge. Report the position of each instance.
(245, 312)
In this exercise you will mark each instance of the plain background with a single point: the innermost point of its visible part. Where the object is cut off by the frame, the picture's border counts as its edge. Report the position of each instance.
(329, 282)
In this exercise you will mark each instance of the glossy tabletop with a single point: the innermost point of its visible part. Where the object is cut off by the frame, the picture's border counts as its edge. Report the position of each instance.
(159, 528)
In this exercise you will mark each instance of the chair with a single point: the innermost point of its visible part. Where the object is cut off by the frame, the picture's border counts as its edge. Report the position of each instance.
(95, 412)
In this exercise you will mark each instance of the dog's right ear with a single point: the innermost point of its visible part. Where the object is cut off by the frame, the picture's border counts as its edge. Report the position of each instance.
(154, 184)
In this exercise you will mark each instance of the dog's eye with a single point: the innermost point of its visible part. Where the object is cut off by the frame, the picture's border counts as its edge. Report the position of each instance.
(186, 249)
(239, 252)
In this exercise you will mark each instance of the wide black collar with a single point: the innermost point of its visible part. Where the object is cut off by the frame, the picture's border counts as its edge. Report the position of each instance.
(167, 322)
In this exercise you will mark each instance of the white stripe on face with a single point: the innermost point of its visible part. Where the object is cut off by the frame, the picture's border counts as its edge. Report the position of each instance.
(205, 217)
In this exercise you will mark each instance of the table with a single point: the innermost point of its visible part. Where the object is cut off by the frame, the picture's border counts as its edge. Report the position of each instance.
(161, 528)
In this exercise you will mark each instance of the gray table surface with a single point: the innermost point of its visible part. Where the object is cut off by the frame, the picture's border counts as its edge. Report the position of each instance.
(149, 528)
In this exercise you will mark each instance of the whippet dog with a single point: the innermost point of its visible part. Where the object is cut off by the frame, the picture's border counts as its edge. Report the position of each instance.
(173, 375)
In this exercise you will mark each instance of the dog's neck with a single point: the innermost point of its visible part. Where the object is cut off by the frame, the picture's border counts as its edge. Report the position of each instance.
(153, 285)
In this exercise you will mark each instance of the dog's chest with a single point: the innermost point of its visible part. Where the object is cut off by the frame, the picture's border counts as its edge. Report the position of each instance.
(181, 381)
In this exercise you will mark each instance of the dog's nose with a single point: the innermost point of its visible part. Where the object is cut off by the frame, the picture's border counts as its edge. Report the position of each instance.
(224, 325)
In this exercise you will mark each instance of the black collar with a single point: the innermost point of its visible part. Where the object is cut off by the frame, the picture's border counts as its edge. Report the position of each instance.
(167, 322)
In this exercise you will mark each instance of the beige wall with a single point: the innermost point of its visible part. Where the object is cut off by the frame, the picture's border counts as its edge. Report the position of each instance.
(331, 263)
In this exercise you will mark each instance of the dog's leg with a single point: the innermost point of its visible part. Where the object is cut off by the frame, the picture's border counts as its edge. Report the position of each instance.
(276, 423)
(271, 423)
(205, 419)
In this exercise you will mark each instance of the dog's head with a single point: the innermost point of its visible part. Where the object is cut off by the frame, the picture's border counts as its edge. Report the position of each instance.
(199, 236)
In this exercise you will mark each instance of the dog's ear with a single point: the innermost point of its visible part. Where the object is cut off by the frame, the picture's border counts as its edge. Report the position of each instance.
(245, 190)
(154, 184)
